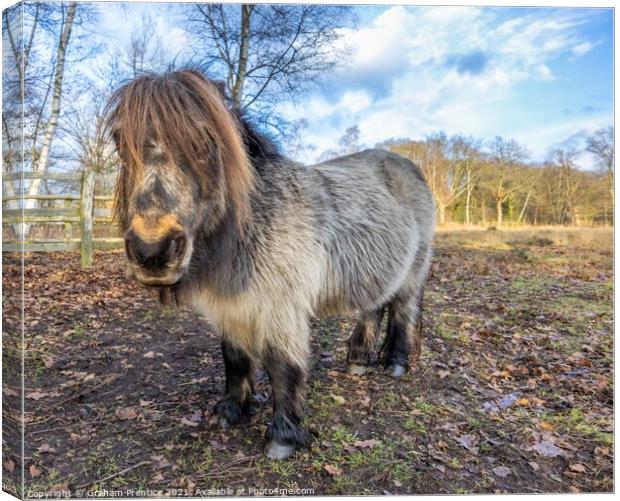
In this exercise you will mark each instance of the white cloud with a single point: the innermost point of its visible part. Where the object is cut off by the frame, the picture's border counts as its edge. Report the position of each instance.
(582, 48)
(417, 70)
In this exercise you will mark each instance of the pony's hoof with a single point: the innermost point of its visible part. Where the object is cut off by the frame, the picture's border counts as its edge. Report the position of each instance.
(229, 413)
(275, 450)
(224, 424)
(356, 370)
(396, 370)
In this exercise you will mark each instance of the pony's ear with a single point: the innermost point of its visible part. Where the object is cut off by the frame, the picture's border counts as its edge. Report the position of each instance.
(221, 87)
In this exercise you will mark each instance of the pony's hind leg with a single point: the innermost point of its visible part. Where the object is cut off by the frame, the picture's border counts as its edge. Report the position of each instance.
(403, 341)
(288, 378)
(237, 403)
(362, 341)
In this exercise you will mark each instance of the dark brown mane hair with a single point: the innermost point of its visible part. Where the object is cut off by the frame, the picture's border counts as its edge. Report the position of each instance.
(186, 114)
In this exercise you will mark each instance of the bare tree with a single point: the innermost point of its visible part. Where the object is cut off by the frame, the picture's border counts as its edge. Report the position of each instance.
(444, 162)
(266, 53)
(294, 144)
(465, 154)
(601, 145)
(565, 185)
(348, 143)
(90, 145)
(505, 155)
(350, 140)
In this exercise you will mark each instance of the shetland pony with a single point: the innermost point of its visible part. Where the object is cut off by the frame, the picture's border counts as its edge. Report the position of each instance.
(217, 219)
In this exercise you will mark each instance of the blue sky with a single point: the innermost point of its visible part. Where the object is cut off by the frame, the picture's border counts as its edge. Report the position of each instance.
(542, 76)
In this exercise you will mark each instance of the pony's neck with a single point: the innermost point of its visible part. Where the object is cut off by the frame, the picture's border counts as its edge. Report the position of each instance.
(223, 256)
(259, 147)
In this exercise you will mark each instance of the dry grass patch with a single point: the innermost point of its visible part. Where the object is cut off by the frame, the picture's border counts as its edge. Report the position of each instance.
(542, 236)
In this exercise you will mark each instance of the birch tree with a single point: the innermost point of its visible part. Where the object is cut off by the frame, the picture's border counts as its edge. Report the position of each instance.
(267, 53)
(57, 91)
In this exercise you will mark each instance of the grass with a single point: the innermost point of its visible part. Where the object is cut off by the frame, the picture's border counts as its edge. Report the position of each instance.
(575, 422)
(515, 236)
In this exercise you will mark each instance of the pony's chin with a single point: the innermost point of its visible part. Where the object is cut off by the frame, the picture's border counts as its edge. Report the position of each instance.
(155, 281)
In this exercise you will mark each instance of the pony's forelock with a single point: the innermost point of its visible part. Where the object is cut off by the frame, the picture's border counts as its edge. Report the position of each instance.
(184, 113)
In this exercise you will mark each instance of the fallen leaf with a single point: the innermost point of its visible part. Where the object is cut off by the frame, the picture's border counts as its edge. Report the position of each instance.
(188, 422)
(149, 354)
(126, 413)
(158, 477)
(369, 444)
(36, 395)
(46, 448)
(442, 445)
(545, 426)
(9, 392)
(501, 471)
(468, 441)
(547, 449)
(578, 468)
(334, 471)
(534, 465)
(9, 465)
(443, 374)
(34, 471)
(601, 451)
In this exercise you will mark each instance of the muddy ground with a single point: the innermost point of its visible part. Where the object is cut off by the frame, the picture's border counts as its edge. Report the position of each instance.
(513, 392)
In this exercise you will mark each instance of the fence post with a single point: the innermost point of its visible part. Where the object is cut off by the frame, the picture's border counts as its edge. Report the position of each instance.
(87, 204)
(68, 226)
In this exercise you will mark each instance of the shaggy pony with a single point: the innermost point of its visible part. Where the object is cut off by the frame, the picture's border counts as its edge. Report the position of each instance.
(216, 218)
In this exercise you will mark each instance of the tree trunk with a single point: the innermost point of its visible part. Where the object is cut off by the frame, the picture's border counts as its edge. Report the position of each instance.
(442, 213)
(41, 165)
(468, 198)
(500, 215)
(529, 193)
(237, 90)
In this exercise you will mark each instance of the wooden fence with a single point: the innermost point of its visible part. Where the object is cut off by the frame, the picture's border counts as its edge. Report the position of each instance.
(76, 209)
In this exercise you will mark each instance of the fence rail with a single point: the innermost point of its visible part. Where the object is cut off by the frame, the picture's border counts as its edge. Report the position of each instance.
(85, 214)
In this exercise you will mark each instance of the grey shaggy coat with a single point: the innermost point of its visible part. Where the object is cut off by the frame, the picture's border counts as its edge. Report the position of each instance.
(343, 236)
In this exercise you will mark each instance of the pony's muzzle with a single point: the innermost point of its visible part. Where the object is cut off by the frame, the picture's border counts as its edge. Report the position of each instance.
(157, 262)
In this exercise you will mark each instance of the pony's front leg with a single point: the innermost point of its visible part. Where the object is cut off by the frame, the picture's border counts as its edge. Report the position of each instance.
(237, 403)
(287, 372)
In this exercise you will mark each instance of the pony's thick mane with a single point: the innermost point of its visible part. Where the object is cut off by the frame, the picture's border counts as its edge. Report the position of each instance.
(186, 115)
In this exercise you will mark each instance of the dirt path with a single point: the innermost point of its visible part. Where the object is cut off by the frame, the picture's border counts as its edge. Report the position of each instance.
(513, 392)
